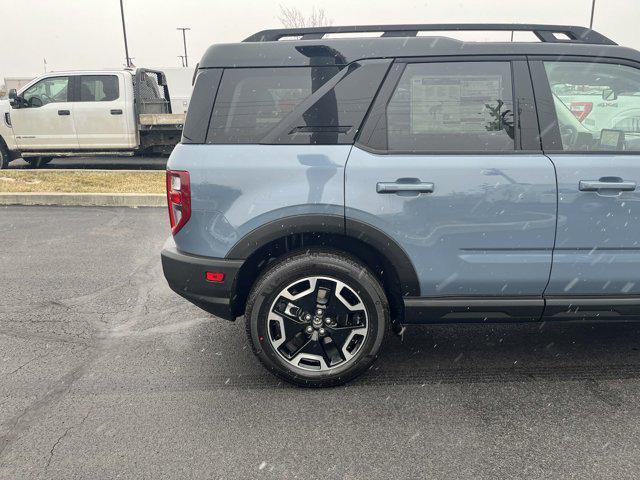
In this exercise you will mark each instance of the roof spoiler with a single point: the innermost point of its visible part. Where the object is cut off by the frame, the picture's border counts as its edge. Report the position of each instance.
(546, 33)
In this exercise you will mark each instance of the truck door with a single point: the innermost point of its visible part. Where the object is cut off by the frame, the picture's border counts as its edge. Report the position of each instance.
(102, 116)
(45, 119)
(596, 154)
(449, 166)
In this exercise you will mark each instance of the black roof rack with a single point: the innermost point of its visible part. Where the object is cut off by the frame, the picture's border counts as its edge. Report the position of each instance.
(546, 33)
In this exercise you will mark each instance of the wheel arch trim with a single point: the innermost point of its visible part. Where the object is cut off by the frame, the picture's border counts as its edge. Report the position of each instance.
(335, 225)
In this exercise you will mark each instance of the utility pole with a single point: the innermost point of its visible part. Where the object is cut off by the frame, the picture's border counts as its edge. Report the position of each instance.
(124, 32)
(593, 9)
(181, 57)
(184, 42)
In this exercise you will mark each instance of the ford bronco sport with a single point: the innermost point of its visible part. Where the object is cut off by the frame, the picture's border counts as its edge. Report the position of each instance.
(334, 189)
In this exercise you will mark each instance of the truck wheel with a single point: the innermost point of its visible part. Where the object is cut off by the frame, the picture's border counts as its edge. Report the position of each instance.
(317, 318)
(4, 156)
(37, 162)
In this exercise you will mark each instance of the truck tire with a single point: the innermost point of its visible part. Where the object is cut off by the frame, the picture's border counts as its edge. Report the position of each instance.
(4, 155)
(37, 162)
(317, 318)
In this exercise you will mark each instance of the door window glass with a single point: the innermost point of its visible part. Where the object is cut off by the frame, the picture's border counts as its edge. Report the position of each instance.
(99, 88)
(48, 90)
(597, 105)
(452, 106)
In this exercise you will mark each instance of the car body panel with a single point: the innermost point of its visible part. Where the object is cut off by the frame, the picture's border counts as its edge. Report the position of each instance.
(598, 239)
(487, 229)
(238, 188)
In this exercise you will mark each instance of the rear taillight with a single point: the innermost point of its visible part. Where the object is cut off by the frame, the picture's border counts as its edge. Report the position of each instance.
(178, 199)
(581, 109)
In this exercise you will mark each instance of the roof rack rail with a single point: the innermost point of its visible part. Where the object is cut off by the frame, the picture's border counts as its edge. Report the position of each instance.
(546, 33)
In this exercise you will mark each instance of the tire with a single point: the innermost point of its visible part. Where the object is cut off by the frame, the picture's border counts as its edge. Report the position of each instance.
(335, 351)
(37, 162)
(4, 156)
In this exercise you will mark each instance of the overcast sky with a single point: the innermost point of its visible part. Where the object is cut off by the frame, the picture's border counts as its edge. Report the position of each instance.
(74, 34)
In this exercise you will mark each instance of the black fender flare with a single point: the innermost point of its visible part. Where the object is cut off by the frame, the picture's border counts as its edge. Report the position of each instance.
(334, 225)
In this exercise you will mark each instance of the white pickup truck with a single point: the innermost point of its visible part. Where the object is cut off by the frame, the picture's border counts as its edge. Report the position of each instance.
(86, 113)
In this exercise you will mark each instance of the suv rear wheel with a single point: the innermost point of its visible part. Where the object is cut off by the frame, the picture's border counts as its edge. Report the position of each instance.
(317, 318)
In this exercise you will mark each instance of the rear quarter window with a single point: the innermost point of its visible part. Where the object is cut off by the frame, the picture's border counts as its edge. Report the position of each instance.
(253, 101)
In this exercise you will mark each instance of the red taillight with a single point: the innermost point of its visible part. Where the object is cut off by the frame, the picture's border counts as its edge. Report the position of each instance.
(581, 109)
(178, 199)
(216, 277)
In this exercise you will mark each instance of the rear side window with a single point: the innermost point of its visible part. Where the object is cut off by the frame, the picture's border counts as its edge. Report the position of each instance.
(453, 106)
(253, 101)
(597, 105)
(99, 88)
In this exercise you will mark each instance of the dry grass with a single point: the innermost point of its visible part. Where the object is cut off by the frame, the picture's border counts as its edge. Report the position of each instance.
(81, 181)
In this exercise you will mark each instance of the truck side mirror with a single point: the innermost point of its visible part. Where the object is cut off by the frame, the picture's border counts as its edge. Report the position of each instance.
(13, 98)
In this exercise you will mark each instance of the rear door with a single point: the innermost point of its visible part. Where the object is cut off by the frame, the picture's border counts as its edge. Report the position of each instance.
(449, 165)
(45, 121)
(590, 118)
(101, 119)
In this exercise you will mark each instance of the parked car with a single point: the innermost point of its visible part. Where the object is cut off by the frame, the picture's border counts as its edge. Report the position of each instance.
(334, 189)
(117, 112)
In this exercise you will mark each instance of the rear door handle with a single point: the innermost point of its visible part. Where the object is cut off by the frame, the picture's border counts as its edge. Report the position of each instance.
(64, 112)
(116, 111)
(395, 187)
(595, 185)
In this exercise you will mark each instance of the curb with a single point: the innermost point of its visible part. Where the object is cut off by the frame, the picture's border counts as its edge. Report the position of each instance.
(85, 199)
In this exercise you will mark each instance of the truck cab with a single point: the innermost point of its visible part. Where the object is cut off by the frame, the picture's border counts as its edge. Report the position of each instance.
(122, 112)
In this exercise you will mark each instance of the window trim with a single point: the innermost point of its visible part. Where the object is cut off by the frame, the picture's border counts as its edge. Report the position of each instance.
(526, 140)
(79, 78)
(550, 131)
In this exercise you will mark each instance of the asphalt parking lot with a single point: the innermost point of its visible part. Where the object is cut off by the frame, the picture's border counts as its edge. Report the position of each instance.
(107, 374)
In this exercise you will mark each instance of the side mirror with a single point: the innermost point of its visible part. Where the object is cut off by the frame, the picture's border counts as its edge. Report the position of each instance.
(609, 94)
(13, 98)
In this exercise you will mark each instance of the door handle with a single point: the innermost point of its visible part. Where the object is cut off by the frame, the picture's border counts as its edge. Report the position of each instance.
(595, 185)
(64, 112)
(395, 187)
(116, 111)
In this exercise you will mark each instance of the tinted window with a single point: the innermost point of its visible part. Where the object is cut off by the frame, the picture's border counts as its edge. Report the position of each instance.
(253, 101)
(48, 90)
(99, 88)
(334, 117)
(452, 107)
(597, 105)
(200, 106)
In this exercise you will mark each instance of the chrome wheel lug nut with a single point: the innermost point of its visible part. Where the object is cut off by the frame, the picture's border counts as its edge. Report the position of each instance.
(321, 331)
(307, 317)
(319, 312)
(309, 329)
(327, 321)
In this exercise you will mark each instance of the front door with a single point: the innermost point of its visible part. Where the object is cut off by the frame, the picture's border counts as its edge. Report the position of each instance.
(457, 180)
(45, 119)
(593, 139)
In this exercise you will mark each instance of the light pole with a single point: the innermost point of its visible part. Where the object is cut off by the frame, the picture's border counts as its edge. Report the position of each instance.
(181, 57)
(593, 9)
(124, 32)
(184, 41)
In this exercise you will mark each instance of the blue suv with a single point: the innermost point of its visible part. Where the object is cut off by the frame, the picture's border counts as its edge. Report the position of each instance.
(332, 190)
